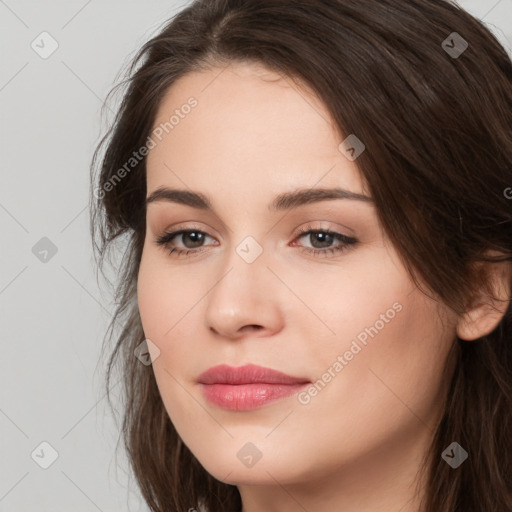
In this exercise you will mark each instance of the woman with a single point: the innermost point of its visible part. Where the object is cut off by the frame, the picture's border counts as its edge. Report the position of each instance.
(319, 258)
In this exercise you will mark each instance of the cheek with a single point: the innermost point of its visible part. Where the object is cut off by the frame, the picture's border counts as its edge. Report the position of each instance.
(164, 296)
(398, 368)
(392, 343)
(361, 300)
(165, 304)
(151, 299)
(169, 300)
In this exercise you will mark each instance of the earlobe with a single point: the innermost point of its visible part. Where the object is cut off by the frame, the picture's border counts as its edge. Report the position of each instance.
(485, 312)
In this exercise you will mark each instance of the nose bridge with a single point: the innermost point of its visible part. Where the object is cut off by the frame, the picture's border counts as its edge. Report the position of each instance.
(248, 240)
(244, 267)
(243, 295)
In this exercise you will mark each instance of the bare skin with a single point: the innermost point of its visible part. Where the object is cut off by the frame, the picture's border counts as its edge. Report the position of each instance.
(356, 444)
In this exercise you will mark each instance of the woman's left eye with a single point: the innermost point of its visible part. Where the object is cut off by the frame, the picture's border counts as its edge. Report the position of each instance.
(194, 238)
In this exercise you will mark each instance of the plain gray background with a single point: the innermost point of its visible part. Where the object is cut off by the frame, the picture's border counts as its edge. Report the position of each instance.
(52, 313)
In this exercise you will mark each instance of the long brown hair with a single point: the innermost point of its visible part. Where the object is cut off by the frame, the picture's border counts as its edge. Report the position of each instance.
(435, 118)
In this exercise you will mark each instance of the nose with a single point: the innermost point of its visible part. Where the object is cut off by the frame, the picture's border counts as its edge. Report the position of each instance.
(246, 299)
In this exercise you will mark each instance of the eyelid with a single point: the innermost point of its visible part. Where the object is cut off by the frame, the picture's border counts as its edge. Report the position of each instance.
(185, 226)
(324, 228)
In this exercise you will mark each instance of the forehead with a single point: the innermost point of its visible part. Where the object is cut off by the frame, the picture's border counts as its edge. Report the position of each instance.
(249, 127)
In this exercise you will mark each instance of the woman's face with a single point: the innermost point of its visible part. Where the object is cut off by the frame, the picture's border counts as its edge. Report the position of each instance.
(253, 289)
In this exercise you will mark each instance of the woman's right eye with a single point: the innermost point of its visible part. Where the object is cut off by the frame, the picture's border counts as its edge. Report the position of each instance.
(195, 237)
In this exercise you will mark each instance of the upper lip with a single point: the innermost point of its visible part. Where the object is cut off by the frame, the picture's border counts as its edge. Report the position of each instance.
(248, 374)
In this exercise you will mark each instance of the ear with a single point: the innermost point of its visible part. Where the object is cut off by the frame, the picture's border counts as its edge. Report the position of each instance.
(485, 311)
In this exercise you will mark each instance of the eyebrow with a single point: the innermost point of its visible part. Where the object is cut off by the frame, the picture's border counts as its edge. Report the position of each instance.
(284, 201)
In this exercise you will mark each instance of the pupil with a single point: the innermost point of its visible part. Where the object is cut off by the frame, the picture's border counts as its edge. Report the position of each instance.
(326, 236)
(198, 236)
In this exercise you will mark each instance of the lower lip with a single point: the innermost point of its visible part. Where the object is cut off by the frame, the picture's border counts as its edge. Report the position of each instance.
(245, 397)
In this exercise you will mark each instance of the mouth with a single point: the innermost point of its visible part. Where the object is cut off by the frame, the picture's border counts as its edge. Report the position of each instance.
(247, 387)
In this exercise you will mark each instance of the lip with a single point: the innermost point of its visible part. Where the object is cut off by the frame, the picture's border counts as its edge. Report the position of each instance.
(247, 387)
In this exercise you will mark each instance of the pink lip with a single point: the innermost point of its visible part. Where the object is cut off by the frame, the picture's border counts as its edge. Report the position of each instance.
(247, 387)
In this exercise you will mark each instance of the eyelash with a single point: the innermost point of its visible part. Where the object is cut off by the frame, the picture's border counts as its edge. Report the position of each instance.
(165, 239)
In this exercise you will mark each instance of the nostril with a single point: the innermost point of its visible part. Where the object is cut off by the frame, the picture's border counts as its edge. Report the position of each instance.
(252, 327)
